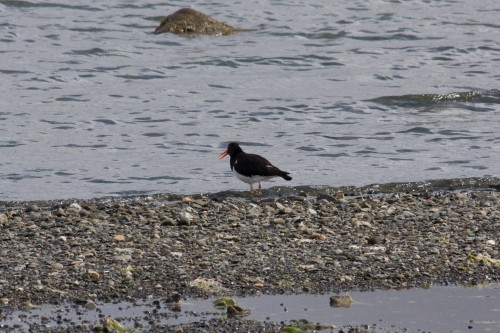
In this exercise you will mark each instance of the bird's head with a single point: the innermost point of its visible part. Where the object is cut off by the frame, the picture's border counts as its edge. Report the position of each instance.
(232, 149)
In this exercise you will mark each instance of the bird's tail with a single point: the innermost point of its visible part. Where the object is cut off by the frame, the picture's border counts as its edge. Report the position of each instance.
(285, 176)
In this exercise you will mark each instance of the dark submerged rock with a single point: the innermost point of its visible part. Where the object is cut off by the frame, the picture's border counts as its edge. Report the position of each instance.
(190, 21)
(341, 301)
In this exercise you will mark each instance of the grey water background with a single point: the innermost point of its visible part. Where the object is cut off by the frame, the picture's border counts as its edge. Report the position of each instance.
(335, 92)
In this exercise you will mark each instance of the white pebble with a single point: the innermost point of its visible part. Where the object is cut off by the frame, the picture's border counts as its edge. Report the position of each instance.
(75, 206)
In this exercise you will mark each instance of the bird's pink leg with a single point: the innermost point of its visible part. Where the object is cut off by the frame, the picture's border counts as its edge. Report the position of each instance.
(260, 187)
(251, 188)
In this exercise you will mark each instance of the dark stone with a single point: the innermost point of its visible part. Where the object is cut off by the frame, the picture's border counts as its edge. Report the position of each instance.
(190, 21)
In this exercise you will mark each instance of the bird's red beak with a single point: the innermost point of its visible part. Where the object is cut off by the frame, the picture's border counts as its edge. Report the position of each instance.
(223, 154)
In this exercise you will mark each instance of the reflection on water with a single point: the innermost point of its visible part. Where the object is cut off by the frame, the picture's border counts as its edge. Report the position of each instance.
(437, 309)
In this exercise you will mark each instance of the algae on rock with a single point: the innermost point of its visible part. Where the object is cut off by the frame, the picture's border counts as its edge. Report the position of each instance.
(190, 21)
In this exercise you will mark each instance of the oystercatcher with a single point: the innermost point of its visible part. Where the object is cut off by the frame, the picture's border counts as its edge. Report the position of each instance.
(251, 168)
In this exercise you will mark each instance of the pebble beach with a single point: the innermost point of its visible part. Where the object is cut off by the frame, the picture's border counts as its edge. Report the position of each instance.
(109, 249)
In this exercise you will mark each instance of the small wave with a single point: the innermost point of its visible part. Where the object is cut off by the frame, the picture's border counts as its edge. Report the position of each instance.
(28, 4)
(14, 71)
(17, 176)
(92, 51)
(415, 100)
(154, 134)
(105, 121)
(417, 130)
(142, 77)
(387, 37)
(10, 144)
(71, 145)
(150, 120)
(156, 178)
(71, 99)
(105, 181)
(435, 185)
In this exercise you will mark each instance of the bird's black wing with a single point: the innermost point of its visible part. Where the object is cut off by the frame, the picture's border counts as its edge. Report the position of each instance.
(255, 165)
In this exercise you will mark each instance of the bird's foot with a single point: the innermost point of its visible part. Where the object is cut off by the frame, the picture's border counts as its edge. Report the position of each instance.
(254, 193)
(260, 188)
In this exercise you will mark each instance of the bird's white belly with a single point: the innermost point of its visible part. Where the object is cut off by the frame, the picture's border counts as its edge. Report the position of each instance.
(252, 179)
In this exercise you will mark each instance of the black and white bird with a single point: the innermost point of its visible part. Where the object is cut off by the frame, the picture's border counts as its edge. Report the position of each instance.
(251, 168)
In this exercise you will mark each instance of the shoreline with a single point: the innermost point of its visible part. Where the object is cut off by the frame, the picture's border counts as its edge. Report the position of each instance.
(433, 185)
(113, 249)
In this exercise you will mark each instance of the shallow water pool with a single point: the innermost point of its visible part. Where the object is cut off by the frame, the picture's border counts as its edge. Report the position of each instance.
(437, 309)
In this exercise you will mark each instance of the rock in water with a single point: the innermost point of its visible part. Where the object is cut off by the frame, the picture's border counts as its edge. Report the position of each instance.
(190, 21)
(343, 301)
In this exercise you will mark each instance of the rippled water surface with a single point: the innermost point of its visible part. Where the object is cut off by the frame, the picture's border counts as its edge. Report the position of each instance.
(336, 93)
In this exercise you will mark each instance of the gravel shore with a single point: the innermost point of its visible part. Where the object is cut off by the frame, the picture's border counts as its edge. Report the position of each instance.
(122, 249)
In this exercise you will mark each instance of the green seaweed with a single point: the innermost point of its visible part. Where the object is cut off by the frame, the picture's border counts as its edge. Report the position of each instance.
(112, 325)
(224, 302)
(303, 325)
(292, 329)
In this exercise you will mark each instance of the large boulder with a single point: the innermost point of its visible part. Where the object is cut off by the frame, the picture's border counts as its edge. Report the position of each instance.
(190, 21)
